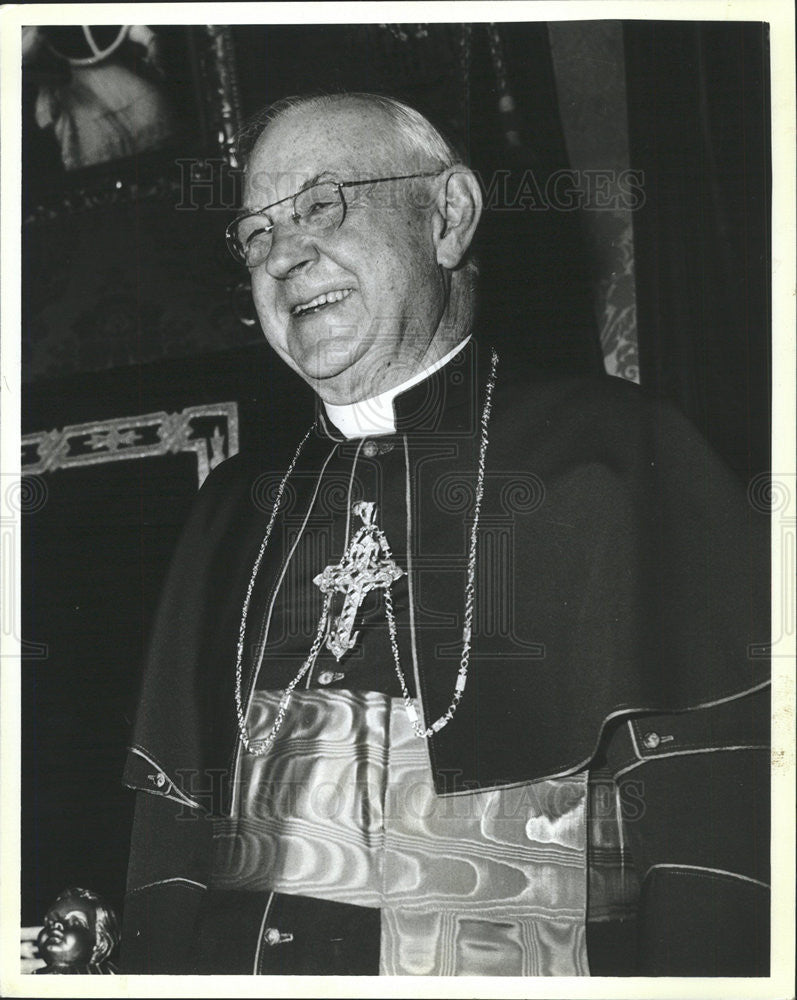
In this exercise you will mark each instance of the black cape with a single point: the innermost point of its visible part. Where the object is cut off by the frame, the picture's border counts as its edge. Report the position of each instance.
(638, 581)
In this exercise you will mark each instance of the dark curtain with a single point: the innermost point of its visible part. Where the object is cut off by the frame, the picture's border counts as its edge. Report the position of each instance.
(535, 296)
(698, 108)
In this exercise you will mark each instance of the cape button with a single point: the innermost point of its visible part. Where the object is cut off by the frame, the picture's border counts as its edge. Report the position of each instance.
(651, 740)
(272, 936)
(329, 677)
(373, 448)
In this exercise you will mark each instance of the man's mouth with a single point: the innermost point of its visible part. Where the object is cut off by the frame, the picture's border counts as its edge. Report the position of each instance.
(320, 301)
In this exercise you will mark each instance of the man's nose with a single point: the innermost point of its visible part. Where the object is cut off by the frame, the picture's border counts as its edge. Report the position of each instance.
(291, 250)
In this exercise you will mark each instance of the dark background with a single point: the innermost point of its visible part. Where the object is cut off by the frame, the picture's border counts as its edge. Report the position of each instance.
(132, 306)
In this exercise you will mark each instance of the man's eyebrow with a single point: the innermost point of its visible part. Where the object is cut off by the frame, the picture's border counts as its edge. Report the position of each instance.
(324, 175)
(315, 180)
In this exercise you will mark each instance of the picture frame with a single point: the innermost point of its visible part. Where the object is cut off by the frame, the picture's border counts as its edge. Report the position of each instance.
(116, 115)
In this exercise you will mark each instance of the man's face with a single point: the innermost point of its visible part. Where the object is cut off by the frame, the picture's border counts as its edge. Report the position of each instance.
(69, 932)
(381, 262)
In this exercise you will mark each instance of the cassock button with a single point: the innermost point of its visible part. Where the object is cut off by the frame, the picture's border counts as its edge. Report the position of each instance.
(329, 677)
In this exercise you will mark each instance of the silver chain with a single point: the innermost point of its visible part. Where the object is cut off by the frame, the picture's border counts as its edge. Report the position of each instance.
(258, 748)
(239, 711)
(470, 589)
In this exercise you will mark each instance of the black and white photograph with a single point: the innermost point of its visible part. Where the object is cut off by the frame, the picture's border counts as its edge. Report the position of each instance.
(398, 504)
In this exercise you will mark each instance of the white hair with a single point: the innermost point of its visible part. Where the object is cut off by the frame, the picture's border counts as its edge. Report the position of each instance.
(420, 137)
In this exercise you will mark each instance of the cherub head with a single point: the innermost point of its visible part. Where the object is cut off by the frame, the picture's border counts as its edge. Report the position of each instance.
(79, 929)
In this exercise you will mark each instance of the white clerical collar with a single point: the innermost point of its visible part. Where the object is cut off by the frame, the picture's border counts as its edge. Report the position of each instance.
(375, 416)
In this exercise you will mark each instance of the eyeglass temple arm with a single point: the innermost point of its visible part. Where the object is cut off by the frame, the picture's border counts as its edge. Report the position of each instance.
(399, 177)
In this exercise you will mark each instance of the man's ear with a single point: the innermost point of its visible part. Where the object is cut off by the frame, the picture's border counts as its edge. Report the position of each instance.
(458, 210)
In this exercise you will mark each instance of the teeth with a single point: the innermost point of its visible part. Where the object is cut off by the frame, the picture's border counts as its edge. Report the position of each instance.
(321, 300)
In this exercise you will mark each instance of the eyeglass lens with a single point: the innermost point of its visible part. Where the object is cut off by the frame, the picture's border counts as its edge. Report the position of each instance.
(316, 210)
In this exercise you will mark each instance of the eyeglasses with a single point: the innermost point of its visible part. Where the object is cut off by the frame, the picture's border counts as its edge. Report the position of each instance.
(317, 210)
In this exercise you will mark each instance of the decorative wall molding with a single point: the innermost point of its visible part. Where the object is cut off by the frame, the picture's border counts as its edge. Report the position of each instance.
(209, 431)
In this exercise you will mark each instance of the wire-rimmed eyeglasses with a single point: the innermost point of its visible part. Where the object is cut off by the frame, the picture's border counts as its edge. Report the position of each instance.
(316, 210)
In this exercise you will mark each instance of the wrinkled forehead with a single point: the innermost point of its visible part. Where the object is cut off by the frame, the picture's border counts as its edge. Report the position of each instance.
(319, 142)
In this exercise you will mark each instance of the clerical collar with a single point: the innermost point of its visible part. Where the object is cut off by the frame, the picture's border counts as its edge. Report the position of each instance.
(375, 416)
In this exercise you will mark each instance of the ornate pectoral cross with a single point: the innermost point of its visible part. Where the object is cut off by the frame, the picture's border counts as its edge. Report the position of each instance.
(365, 565)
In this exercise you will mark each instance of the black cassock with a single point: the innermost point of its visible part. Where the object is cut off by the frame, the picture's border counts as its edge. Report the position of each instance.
(599, 802)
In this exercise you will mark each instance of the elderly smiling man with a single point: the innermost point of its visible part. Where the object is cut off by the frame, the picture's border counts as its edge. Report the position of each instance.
(469, 692)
